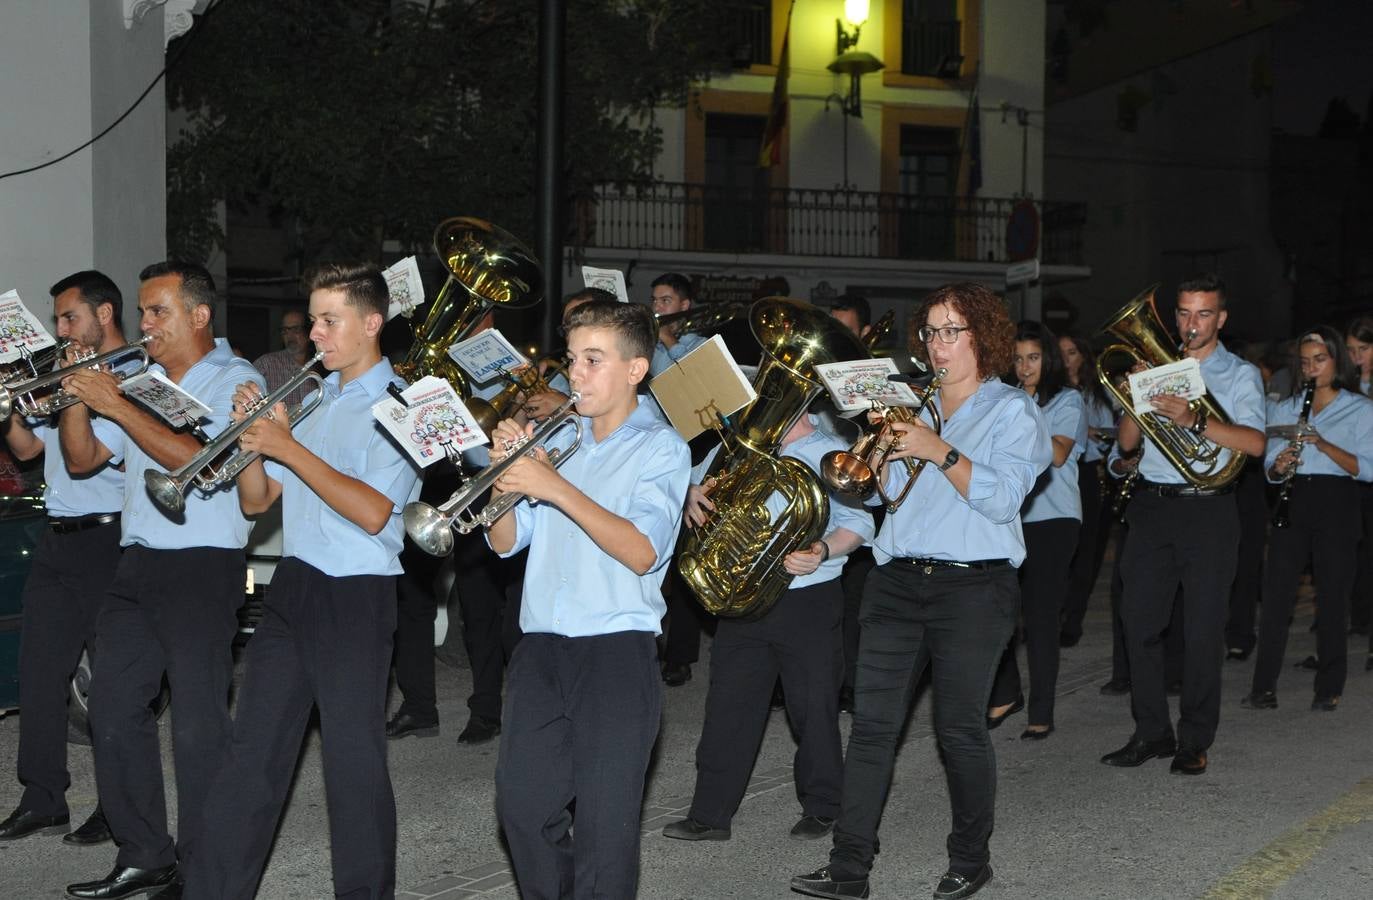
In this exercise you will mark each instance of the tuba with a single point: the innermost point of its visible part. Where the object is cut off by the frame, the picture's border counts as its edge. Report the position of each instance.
(487, 268)
(733, 563)
(1142, 338)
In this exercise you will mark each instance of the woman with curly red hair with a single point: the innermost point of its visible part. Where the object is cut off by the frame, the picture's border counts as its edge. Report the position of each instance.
(944, 593)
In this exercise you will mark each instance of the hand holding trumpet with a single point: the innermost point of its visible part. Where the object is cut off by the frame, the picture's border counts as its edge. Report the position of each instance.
(269, 435)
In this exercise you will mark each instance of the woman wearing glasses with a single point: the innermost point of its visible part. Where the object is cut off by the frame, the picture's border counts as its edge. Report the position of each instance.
(944, 593)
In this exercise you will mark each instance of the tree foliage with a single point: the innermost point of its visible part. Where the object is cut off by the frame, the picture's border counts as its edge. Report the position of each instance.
(367, 120)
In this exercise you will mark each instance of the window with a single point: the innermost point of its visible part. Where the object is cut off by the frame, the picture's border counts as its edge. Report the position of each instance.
(753, 33)
(929, 35)
(734, 203)
(928, 183)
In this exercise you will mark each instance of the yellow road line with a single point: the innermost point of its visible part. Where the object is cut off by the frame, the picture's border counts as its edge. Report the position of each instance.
(1289, 853)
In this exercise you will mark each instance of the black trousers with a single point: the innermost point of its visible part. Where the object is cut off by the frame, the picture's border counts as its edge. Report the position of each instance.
(801, 639)
(323, 642)
(683, 622)
(1092, 536)
(1361, 604)
(955, 622)
(1192, 541)
(67, 581)
(1324, 512)
(1252, 504)
(856, 569)
(581, 717)
(168, 612)
(416, 610)
(1043, 580)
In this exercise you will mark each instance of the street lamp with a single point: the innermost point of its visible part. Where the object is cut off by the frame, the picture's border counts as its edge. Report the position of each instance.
(851, 62)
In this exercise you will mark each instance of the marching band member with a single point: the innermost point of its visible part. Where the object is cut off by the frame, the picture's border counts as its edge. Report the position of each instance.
(1051, 518)
(1358, 340)
(72, 566)
(944, 593)
(171, 605)
(583, 698)
(1187, 534)
(325, 635)
(800, 638)
(1324, 516)
(672, 293)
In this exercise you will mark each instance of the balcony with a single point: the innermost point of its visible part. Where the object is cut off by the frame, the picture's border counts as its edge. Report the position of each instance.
(666, 216)
(926, 44)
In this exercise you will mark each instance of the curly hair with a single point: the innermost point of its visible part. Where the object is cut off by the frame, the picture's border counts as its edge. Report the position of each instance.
(989, 325)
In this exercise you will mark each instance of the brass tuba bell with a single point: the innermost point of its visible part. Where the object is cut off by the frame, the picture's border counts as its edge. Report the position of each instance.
(733, 563)
(487, 268)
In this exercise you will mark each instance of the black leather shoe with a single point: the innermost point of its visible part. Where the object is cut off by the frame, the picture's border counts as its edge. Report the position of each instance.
(94, 830)
(479, 730)
(1016, 706)
(1259, 700)
(1116, 687)
(676, 674)
(123, 881)
(1137, 752)
(1188, 762)
(406, 725)
(23, 822)
(826, 882)
(691, 830)
(1326, 704)
(952, 885)
(1240, 654)
(1036, 734)
(808, 828)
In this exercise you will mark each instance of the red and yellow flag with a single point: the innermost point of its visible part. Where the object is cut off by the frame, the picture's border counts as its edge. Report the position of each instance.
(771, 152)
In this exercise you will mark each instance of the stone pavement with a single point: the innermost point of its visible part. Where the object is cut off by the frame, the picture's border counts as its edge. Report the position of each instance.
(1286, 809)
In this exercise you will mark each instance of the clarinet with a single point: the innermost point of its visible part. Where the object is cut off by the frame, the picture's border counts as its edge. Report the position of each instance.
(1280, 519)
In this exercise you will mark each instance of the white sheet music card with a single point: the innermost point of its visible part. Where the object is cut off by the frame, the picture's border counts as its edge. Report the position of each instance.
(407, 290)
(854, 384)
(486, 356)
(165, 397)
(20, 330)
(612, 280)
(435, 425)
(1180, 379)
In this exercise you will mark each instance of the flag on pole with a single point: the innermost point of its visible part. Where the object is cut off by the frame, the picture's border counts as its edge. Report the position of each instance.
(771, 152)
(975, 148)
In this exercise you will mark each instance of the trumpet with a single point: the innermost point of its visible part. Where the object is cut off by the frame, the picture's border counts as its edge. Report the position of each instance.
(431, 527)
(219, 462)
(30, 365)
(1280, 519)
(20, 394)
(858, 471)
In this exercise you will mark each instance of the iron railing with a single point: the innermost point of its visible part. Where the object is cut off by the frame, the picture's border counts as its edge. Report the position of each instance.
(752, 27)
(676, 216)
(926, 44)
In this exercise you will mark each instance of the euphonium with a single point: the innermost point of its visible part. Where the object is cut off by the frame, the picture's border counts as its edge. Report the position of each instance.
(220, 461)
(431, 527)
(733, 563)
(1143, 339)
(20, 394)
(1280, 519)
(488, 268)
(859, 471)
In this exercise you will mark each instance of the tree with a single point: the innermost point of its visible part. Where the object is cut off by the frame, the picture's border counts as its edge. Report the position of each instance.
(366, 120)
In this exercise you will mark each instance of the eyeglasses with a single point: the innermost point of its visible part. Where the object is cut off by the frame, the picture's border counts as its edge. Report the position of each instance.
(948, 334)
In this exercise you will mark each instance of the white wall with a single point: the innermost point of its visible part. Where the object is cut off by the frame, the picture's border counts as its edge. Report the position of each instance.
(68, 69)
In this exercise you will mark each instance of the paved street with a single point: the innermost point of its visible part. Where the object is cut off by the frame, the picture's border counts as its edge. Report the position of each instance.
(1285, 811)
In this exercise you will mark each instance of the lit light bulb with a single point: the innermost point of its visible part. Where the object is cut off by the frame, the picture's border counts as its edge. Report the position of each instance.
(856, 12)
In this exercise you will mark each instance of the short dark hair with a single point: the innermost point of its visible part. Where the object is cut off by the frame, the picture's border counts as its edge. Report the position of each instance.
(989, 325)
(362, 285)
(633, 325)
(1204, 283)
(197, 284)
(96, 288)
(678, 282)
(1053, 377)
(591, 293)
(1361, 330)
(858, 304)
(1346, 375)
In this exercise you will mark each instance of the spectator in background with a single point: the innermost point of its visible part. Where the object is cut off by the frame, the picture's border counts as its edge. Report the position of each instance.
(279, 365)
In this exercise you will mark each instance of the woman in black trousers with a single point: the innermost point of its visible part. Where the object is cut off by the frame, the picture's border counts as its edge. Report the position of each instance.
(1358, 340)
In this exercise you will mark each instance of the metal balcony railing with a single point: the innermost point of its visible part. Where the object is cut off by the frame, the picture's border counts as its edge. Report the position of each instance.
(861, 224)
(925, 44)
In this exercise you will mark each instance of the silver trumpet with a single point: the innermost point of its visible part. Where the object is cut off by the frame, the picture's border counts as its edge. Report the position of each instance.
(220, 461)
(431, 528)
(20, 394)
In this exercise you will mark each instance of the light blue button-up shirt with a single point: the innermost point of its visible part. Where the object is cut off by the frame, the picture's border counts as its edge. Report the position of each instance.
(102, 491)
(1346, 422)
(1099, 415)
(571, 586)
(210, 520)
(1000, 431)
(1237, 387)
(343, 432)
(1055, 494)
(844, 511)
(666, 356)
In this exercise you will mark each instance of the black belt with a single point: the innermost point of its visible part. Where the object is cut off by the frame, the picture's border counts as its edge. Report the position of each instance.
(71, 524)
(1317, 479)
(1173, 491)
(929, 565)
